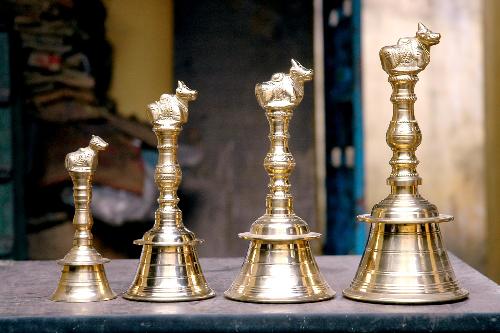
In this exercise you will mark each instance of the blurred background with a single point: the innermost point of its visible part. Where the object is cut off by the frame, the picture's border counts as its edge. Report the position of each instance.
(73, 68)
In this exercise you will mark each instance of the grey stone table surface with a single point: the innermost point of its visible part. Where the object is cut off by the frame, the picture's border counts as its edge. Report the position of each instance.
(26, 286)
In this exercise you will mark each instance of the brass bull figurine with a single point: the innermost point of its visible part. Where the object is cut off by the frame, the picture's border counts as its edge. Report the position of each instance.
(411, 54)
(85, 159)
(284, 90)
(172, 109)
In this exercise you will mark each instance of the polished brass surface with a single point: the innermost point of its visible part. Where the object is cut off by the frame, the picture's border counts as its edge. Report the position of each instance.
(405, 260)
(280, 267)
(83, 278)
(169, 269)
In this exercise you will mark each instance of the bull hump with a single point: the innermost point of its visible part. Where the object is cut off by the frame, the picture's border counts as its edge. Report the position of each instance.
(287, 91)
(171, 109)
(405, 50)
(405, 40)
(81, 158)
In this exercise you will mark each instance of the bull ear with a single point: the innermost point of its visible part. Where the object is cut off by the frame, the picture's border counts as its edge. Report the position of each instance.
(180, 84)
(295, 63)
(422, 27)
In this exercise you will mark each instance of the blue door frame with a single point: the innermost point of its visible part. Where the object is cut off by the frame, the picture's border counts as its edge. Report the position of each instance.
(343, 126)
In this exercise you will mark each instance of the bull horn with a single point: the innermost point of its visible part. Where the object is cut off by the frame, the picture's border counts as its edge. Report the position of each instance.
(422, 27)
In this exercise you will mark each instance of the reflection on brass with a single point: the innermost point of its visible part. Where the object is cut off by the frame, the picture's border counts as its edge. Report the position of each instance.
(280, 267)
(83, 278)
(405, 260)
(169, 269)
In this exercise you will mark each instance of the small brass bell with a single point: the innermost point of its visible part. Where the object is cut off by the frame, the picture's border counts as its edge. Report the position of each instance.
(405, 260)
(83, 278)
(280, 267)
(169, 269)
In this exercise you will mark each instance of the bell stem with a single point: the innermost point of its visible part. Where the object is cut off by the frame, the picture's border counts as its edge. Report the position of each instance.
(279, 163)
(82, 195)
(168, 177)
(403, 135)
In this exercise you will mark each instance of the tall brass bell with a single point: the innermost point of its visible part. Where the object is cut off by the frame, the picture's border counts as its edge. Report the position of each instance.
(169, 269)
(280, 267)
(405, 260)
(83, 278)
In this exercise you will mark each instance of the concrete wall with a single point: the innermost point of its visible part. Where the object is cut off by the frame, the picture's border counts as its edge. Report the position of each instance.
(450, 111)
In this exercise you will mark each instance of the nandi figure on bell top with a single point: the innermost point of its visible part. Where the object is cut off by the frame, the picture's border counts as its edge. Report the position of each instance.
(85, 159)
(410, 54)
(284, 90)
(172, 109)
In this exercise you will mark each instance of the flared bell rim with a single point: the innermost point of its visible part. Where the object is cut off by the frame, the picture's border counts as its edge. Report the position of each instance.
(318, 292)
(79, 300)
(456, 295)
(279, 238)
(143, 242)
(327, 295)
(65, 262)
(368, 218)
(153, 297)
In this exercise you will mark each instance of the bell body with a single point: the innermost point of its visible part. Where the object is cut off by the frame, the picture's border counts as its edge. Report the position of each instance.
(279, 266)
(169, 274)
(405, 263)
(279, 272)
(83, 283)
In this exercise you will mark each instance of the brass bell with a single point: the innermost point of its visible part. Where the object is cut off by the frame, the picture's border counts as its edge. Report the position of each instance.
(83, 278)
(169, 269)
(279, 266)
(405, 260)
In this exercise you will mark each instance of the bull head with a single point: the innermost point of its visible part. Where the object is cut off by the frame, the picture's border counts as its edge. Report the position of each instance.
(184, 93)
(299, 72)
(96, 143)
(426, 36)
